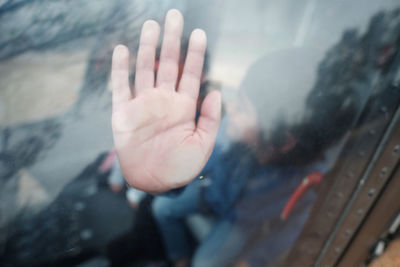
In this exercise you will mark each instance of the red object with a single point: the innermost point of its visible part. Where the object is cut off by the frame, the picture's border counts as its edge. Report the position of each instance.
(311, 180)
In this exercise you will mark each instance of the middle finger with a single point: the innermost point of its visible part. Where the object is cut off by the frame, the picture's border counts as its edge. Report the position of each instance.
(170, 51)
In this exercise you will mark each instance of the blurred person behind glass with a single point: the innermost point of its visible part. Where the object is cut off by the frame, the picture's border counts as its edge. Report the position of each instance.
(151, 156)
(265, 158)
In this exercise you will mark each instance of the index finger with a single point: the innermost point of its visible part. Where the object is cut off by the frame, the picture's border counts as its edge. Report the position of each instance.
(120, 74)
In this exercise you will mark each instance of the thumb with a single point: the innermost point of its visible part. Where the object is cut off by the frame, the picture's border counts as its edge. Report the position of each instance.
(210, 118)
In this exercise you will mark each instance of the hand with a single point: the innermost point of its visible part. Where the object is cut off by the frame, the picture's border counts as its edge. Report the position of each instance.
(158, 143)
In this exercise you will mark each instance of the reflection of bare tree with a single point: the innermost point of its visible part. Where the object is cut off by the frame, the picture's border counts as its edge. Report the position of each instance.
(43, 24)
(359, 77)
(351, 70)
(23, 145)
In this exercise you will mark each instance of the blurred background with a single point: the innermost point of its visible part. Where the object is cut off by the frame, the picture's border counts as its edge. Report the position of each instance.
(56, 207)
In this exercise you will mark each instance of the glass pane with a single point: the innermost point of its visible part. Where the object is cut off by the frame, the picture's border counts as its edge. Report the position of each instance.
(295, 78)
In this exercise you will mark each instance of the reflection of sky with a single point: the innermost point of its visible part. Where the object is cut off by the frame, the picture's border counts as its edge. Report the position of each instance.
(250, 29)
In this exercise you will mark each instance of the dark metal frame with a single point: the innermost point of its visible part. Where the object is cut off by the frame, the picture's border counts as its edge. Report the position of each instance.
(348, 193)
(368, 191)
(375, 225)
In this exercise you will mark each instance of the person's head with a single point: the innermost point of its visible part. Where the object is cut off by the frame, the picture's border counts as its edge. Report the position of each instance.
(272, 113)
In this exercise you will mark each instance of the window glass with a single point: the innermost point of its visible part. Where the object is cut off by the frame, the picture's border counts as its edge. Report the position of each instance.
(296, 77)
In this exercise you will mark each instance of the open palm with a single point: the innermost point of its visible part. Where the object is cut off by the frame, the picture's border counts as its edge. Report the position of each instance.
(158, 143)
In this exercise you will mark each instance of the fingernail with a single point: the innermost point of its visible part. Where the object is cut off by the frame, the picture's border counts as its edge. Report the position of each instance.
(174, 19)
(199, 37)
